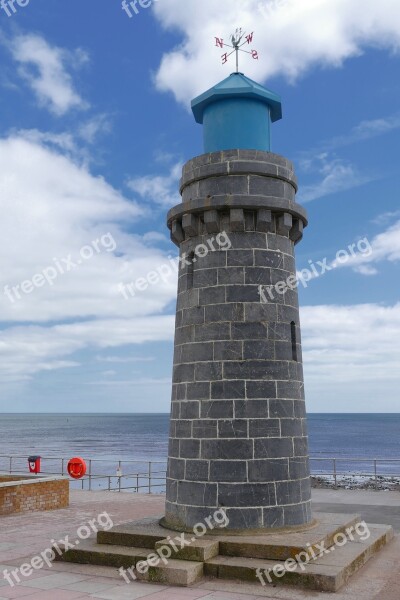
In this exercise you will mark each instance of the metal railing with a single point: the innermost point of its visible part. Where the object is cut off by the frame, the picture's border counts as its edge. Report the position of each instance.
(379, 469)
(141, 476)
(149, 476)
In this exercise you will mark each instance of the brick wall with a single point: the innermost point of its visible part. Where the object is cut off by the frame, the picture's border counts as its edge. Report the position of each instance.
(30, 496)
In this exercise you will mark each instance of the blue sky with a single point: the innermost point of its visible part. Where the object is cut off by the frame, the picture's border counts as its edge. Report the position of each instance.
(94, 127)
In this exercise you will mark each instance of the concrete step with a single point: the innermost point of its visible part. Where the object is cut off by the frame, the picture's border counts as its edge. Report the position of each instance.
(143, 533)
(143, 564)
(195, 549)
(281, 546)
(148, 533)
(328, 572)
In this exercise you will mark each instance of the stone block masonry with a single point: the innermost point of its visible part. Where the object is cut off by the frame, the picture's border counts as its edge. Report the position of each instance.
(23, 494)
(238, 437)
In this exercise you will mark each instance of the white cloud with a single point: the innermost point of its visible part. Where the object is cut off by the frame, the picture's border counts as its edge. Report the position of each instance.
(155, 237)
(336, 176)
(51, 207)
(58, 206)
(161, 190)
(97, 125)
(140, 381)
(64, 142)
(349, 352)
(366, 270)
(43, 67)
(339, 175)
(383, 247)
(291, 36)
(75, 143)
(365, 130)
(28, 350)
(352, 357)
(386, 217)
(125, 359)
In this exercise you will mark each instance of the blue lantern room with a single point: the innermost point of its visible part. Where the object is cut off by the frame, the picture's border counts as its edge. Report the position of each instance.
(237, 113)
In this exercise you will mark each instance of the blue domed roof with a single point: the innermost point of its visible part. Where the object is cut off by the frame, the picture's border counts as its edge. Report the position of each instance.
(237, 85)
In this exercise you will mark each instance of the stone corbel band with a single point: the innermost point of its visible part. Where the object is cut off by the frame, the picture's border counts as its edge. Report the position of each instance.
(238, 190)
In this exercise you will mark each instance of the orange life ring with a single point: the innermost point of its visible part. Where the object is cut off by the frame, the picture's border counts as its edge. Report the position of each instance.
(77, 468)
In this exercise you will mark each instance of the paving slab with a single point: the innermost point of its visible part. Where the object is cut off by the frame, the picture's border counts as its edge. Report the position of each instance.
(357, 497)
(129, 592)
(90, 586)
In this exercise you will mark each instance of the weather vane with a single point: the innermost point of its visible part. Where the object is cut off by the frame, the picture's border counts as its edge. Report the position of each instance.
(237, 46)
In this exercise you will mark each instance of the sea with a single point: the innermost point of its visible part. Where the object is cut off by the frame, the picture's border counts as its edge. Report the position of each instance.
(129, 442)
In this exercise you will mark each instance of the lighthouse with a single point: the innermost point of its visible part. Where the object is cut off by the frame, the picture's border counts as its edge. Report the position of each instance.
(238, 494)
(238, 434)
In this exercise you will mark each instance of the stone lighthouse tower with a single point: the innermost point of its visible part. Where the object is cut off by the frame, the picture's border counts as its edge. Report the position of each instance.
(238, 479)
(238, 437)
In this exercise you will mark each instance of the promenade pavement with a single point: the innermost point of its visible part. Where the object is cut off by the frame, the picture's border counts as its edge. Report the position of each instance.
(25, 536)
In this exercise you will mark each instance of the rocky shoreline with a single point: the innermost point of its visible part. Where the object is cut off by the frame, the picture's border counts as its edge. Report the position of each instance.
(357, 482)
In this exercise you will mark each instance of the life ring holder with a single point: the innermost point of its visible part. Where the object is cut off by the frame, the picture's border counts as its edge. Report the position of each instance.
(76, 468)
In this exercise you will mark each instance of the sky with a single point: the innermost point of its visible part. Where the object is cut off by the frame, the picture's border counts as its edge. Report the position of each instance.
(95, 125)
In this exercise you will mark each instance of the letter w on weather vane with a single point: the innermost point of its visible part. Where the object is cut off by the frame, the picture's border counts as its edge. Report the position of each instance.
(237, 46)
